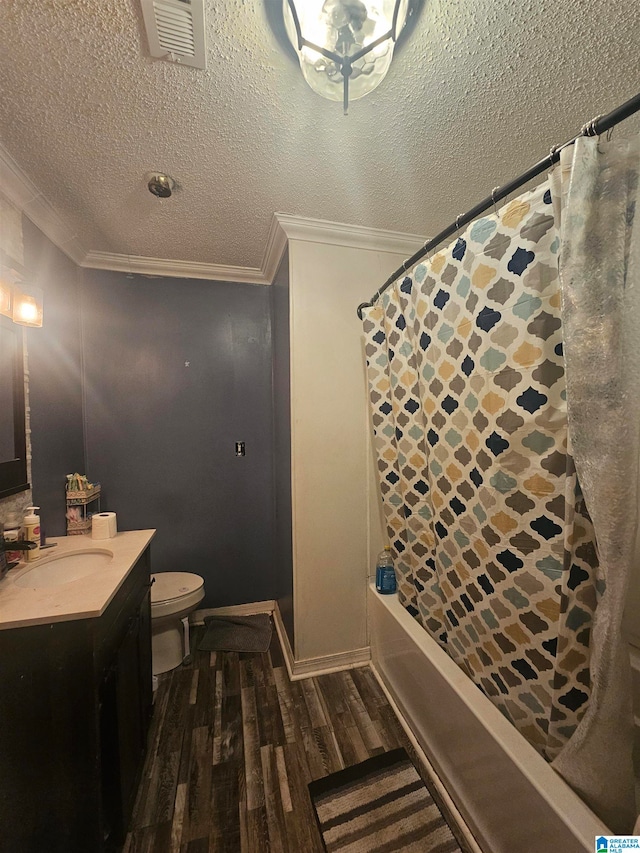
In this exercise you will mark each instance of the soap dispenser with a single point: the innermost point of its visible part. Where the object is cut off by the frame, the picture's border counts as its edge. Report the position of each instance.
(31, 531)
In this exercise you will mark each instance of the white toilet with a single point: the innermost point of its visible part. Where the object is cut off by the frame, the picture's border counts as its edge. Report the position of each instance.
(173, 596)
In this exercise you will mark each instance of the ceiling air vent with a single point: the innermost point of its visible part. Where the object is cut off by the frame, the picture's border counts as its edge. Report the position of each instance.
(175, 29)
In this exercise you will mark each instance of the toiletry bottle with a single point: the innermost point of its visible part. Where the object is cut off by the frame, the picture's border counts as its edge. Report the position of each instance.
(31, 531)
(12, 534)
(385, 575)
(12, 555)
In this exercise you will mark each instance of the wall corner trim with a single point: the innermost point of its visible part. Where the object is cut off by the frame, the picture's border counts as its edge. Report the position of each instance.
(274, 250)
(285, 645)
(20, 190)
(310, 667)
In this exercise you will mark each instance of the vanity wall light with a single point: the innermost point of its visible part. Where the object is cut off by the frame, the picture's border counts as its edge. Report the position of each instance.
(19, 300)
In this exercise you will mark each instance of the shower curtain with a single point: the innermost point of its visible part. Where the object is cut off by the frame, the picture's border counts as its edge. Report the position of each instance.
(494, 549)
(595, 191)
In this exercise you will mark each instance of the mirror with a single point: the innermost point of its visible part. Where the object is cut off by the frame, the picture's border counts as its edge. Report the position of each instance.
(13, 442)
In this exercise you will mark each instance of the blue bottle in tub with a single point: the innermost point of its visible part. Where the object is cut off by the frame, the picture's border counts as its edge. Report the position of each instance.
(385, 575)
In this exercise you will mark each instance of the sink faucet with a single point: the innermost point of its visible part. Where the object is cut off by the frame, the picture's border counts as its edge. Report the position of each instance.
(20, 545)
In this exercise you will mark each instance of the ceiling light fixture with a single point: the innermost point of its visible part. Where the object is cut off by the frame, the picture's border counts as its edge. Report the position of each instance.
(345, 47)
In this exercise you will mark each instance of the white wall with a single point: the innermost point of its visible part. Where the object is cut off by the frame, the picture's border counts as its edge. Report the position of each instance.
(336, 518)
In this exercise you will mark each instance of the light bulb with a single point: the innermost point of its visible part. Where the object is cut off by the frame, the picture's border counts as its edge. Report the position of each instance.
(344, 27)
(27, 306)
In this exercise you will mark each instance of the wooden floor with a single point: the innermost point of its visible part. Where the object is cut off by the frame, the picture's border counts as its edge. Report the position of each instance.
(234, 743)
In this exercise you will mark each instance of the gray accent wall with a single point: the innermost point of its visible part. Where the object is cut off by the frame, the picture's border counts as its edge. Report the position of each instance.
(55, 378)
(177, 371)
(282, 443)
(112, 396)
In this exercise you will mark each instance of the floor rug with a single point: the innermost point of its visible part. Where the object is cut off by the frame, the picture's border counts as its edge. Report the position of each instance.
(236, 633)
(379, 806)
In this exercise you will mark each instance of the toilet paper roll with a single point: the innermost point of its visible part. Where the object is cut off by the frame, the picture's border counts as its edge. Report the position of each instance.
(103, 525)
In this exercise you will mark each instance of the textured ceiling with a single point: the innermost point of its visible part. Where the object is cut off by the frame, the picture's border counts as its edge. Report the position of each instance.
(478, 92)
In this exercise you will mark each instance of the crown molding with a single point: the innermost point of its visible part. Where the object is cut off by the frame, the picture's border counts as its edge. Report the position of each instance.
(275, 248)
(283, 228)
(351, 236)
(20, 190)
(172, 268)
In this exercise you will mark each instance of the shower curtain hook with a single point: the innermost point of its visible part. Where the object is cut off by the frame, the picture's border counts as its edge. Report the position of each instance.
(590, 129)
(458, 218)
(493, 199)
(607, 137)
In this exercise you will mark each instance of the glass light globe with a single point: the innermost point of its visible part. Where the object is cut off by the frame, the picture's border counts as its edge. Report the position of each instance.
(345, 28)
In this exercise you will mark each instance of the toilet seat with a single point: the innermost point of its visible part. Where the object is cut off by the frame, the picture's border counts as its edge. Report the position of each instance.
(173, 592)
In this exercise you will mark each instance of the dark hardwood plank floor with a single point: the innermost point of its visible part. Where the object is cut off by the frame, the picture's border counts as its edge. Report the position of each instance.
(234, 743)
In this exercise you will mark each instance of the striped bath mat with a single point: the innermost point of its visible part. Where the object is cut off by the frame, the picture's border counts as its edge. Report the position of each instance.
(379, 806)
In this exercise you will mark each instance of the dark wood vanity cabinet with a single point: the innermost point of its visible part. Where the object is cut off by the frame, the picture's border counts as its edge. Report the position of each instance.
(75, 705)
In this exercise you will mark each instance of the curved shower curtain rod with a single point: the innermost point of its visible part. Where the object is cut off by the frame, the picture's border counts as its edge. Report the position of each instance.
(595, 127)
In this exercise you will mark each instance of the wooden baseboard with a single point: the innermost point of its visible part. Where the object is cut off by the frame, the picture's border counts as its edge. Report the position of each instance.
(297, 669)
(310, 667)
(285, 645)
(198, 616)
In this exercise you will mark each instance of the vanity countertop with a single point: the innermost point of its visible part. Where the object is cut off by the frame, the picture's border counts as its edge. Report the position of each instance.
(85, 598)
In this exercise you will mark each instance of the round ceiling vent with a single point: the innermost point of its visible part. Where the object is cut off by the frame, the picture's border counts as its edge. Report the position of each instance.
(161, 185)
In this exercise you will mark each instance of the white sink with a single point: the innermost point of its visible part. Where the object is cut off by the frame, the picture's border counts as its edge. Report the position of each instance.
(65, 568)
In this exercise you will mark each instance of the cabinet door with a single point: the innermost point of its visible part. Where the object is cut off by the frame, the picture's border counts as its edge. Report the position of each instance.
(111, 818)
(144, 656)
(131, 731)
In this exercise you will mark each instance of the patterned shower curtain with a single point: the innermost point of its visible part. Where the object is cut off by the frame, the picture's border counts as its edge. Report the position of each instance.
(493, 547)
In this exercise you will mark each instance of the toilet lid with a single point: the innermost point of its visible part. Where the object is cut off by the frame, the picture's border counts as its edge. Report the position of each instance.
(170, 585)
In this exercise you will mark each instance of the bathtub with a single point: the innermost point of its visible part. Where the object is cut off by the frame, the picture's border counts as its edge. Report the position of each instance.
(510, 798)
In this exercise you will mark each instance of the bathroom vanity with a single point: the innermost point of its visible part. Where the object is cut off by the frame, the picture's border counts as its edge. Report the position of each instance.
(75, 695)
